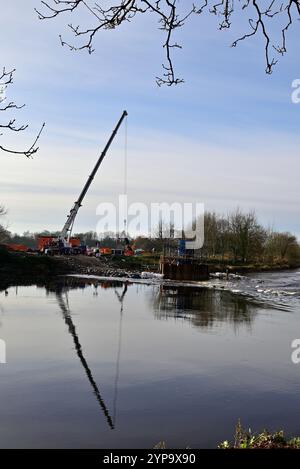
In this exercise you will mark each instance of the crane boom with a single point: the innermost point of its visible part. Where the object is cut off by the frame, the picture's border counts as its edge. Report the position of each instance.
(67, 229)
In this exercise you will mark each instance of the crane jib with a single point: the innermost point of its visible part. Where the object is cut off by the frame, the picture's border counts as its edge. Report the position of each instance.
(66, 231)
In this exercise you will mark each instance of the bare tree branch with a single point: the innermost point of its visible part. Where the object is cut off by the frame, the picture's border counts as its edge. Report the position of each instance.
(6, 79)
(113, 16)
(263, 13)
(171, 16)
(30, 151)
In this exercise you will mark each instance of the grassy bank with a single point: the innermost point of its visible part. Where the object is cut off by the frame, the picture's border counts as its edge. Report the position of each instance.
(152, 262)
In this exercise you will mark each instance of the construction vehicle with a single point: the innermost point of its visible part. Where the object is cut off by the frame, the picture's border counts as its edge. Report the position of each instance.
(64, 244)
(50, 244)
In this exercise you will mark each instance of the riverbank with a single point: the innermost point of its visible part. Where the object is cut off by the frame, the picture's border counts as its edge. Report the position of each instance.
(25, 268)
(16, 266)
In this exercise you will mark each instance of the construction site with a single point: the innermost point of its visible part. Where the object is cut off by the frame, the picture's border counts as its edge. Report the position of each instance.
(174, 262)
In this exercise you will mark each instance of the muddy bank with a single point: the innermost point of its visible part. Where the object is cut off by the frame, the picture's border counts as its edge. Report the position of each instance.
(28, 268)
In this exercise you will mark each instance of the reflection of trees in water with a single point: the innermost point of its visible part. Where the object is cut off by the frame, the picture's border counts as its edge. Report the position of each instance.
(201, 306)
(73, 283)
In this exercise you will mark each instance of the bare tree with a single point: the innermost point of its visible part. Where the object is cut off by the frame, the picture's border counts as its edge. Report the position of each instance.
(172, 15)
(279, 244)
(2, 210)
(210, 234)
(247, 237)
(4, 234)
(6, 79)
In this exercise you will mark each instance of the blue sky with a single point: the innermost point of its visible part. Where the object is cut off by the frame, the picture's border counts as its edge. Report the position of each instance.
(227, 137)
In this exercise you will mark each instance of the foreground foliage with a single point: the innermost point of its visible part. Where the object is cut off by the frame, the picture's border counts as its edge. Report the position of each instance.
(245, 439)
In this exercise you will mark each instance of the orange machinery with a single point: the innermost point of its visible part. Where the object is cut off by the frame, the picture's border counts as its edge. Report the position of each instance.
(44, 241)
(106, 251)
(16, 247)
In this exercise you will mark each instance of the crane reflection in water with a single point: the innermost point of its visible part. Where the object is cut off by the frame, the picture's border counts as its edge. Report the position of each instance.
(201, 307)
(62, 299)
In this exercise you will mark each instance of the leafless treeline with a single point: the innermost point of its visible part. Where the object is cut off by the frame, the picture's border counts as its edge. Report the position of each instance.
(239, 237)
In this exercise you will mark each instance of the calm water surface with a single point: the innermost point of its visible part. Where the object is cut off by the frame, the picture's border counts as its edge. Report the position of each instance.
(105, 364)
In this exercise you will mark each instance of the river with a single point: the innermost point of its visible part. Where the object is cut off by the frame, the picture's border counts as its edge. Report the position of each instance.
(97, 363)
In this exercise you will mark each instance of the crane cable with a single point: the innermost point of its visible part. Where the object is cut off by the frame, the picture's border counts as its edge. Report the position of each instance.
(116, 386)
(125, 169)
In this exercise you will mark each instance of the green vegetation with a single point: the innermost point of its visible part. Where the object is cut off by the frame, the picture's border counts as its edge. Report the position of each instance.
(265, 440)
(245, 439)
